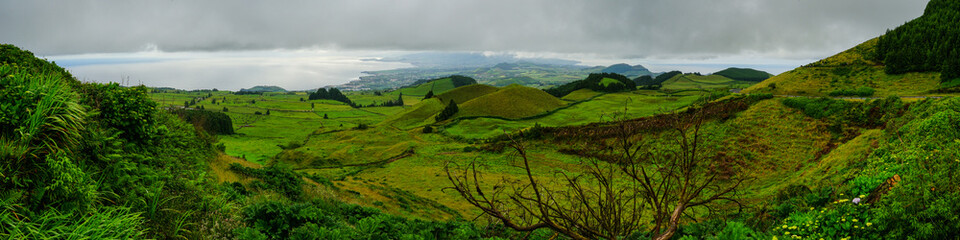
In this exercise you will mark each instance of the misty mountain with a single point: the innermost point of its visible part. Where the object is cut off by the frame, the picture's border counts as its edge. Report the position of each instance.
(468, 60)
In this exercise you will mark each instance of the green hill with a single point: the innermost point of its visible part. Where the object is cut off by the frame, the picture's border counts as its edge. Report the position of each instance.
(419, 114)
(466, 93)
(693, 81)
(647, 80)
(744, 74)
(264, 89)
(918, 58)
(595, 81)
(438, 86)
(579, 95)
(627, 70)
(513, 101)
(850, 69)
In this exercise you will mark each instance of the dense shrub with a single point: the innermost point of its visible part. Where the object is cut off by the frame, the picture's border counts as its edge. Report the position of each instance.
(280, 179)
(593, 82)
(127, 109)
(211, 122)
(93, 160)
(858, 92)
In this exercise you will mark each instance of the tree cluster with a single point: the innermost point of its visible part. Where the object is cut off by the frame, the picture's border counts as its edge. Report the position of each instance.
(332, 94)
(448, 112)
(592, 82)
(928, 43)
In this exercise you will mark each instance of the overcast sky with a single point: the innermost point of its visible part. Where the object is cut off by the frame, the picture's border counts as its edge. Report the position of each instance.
(648, 32)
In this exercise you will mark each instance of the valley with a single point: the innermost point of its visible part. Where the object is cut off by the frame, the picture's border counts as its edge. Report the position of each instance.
(864, 144)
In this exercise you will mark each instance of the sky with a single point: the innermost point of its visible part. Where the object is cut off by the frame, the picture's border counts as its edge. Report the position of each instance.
(300, 44)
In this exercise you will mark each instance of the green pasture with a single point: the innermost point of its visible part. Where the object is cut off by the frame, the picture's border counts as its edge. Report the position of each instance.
(602, 108)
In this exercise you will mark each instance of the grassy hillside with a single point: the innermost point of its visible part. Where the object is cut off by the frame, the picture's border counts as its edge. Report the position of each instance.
(744, 74)
(417, 115)
(512, 101)
(849, 69)
(438, 86)
(579, 95)
(692, 81)
(466, 93)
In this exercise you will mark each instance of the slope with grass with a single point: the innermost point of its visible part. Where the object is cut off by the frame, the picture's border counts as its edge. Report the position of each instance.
(850, 69)
(466, 93)
(744, 74)
(512, 101)
(417, 115)
(697, 82)
(438, 86)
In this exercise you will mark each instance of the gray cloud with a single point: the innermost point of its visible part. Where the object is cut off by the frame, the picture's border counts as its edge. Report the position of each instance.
(628, 29)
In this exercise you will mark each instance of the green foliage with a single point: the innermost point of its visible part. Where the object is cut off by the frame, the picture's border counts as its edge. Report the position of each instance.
(872, 113)
(92, 159)
(928, 43)
(716, 229)
(26, 61)
(858, 92)
(127, 109)
(40, 126)
(448, 112)
(840, 220)
(211, 122)
(281, 179)
(332, 220)
(594, 82)
(744, 74)
(107, 223)
(429, 95)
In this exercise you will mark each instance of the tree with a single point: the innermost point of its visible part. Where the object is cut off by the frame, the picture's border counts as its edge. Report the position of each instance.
(268, 112)
(225, 109)
(312, 105)
(448, 112)
(631, 178)
(325, 116)
(429, 95)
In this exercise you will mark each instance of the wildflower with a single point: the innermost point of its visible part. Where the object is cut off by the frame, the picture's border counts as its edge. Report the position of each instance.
(862, 196)
(786, 233)
(854, 220)
(856, 201)
(793, 227)
(869, 223)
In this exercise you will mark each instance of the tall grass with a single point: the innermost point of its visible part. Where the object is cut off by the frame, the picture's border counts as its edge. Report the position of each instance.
(40, 112)
(107, 223)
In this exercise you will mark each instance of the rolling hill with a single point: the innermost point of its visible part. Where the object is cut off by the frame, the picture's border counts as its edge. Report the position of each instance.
(438, 86)
(264, 89)
(466, 93)
(744, 74)
(693, 81)
(512, 101)
(627, 70)
(918, 58)
(848, 70)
